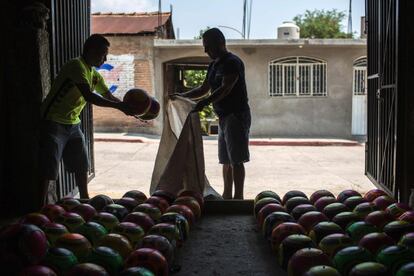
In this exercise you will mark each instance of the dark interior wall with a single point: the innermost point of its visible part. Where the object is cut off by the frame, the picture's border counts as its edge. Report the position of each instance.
(25, 79)
(405, 146)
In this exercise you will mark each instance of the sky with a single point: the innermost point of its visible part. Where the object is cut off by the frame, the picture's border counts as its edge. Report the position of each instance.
(191, 16)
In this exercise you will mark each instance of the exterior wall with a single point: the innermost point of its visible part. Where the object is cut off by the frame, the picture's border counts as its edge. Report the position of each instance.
(138, 74)
(329, 116)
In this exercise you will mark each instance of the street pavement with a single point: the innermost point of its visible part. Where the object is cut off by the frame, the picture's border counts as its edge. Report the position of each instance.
(127, 165)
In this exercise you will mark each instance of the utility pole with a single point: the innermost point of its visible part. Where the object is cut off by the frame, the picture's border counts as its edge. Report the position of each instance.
(350, 18)
(244, 18)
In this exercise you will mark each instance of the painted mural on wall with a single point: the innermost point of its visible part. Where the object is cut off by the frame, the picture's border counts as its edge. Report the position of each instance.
(118, 72)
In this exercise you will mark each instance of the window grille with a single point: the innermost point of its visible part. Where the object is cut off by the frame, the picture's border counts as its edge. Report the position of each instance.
(360, 77)
(297, 76)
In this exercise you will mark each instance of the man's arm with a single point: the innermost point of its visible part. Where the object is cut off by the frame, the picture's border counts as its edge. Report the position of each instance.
(108, 95)
(98, 100)
(197, 92)
(226, 86)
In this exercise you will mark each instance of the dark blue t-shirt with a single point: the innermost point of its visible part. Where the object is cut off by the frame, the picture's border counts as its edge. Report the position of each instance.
(236, 101)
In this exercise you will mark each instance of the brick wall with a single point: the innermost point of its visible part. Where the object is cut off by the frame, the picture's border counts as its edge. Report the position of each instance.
(132, 58)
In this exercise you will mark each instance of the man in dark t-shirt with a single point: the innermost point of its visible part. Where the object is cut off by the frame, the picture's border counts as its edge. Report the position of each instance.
(226, 81)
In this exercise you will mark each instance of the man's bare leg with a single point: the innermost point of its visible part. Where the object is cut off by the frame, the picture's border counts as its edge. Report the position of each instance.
(82, 182)
(228, 181)
(43, 190)
(238, 175)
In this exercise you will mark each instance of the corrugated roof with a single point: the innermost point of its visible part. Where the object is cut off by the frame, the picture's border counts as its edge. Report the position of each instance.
(126, 23)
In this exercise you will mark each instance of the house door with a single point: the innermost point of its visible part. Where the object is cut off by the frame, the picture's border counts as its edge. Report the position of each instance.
(359, 98)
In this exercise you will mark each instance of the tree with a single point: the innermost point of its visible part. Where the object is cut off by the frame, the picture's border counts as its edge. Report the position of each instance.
(321, 24)
(201, 32)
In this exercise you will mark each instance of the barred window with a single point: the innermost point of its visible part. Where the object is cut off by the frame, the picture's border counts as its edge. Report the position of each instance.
(297, 76)
(360, 76)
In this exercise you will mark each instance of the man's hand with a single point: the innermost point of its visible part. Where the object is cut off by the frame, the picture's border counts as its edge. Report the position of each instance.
(126, 109)
(200, 105)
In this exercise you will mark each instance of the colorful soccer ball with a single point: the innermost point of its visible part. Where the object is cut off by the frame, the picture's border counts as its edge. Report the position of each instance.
(318, 194)
(353, 201)
(407, 240)
(133, 232)
(198, 196)
(160, 243)
(382, 202)
(138, 100)
(160, 203)
(136, 271)
(169, 197)
(344, 219)
(108, 258)
(93, 231)
(379, 218)
(60, 259)
(181, 222)
(290, 245)
(363, 209)
(322, 270)
(141, 219)
(374, 242)
(396, 229)
(323, 229)
(323, 202)
(78, 244)
(397, 209)
(52, 211)
(334, 242)
(170, 231)
(306, 258)
(87, 269)
(117, 210)
(137, 195)
(301, 209)
(291, 194)
(406, 270)
(128, 202)
(86, 211)
(267, 194)
(273, 220)
(407, 216)
(37, 219)
(68, 203)
(107, 220)
(100, 201)
(282, 231)
(342, 196)
(37, 270)
(266, 210)
(359, 229)
(152, 112)
(292, 202)
(263, 202)
(310, 219)
(53, 231)
(183, 210)
(368, 268)
(149, 209)
(373, 194)
(30, 243)
(348, 257)
(117, 242)
(333, 209)
(394, 257)
(70, 220)
(148, 258)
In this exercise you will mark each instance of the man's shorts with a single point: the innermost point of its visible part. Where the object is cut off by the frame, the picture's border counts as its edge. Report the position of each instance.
(59, 141)
(233, 138)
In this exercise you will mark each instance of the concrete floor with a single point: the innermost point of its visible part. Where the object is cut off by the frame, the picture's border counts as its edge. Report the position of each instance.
(122, 166)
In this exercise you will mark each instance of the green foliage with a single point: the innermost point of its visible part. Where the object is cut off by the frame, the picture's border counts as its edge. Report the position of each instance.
(194, 78)
(201, 32)
(321, 24)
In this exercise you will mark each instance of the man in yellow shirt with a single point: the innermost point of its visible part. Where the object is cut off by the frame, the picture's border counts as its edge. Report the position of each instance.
(61, 137)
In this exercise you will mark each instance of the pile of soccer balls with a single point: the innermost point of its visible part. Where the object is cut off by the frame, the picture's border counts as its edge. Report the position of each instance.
(349, 234)
(134, 235)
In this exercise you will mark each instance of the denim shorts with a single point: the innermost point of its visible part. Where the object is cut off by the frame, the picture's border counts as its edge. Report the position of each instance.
(59, 141)
(233, 138)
